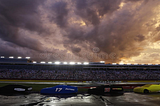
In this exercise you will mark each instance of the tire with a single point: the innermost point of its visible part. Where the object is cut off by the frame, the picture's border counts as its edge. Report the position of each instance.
(146, 91)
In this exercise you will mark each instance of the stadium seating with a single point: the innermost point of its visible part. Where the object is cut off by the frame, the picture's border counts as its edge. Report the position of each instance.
(17, 72)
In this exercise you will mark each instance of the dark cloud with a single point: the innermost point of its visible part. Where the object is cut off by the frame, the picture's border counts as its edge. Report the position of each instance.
(76, 49)
(61, 11)
(92, 10)
(139, 38)
(16, 15)
(10, 49)
(114, 35)
(29, 27)
(158, 28)
(21, 14)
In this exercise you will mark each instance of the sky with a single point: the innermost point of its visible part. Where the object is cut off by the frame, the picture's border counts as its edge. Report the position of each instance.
(114, 31)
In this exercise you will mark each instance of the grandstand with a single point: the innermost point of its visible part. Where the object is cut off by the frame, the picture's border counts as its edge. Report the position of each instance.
(24, 68)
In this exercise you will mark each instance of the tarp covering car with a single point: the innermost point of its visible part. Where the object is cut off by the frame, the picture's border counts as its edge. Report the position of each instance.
(106, 89)
(14, 89)
(60, 89)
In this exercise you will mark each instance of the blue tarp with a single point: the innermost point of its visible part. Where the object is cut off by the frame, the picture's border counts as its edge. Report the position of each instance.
(60, 89)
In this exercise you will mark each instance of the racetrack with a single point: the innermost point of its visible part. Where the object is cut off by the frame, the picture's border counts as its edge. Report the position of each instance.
(35, 99)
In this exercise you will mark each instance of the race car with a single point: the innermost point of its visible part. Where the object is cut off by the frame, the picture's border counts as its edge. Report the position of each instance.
(14, 89)
(106, 89)
(148, 88)
(59, 89)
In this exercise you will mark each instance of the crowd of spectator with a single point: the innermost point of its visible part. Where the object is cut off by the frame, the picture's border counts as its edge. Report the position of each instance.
(79, 74)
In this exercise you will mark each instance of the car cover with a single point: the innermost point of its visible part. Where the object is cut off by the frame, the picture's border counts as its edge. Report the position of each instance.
(60, 89)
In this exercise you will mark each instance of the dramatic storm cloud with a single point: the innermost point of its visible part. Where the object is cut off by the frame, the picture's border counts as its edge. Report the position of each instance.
(81, 30)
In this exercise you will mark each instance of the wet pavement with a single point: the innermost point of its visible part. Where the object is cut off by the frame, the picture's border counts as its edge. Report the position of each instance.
(36, 99)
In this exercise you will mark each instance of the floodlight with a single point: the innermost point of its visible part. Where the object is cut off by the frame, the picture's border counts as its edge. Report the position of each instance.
(2, 56)
(57, 62)
(149, 64)
(121, 63)
(43, 62)
(156, 64)
(19, 57)
(11, 57)
(34, 62)
(65, 63)
(72, 63)
(79, 63)
(49, 62)
(102, 61)
(128, 63)
(28, 57)
(135, 63)
(85, 63)
(114, 63)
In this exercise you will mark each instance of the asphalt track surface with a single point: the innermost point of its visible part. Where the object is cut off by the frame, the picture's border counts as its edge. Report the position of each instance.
(35, 99)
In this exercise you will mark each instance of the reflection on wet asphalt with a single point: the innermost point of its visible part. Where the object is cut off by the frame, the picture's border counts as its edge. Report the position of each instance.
(35, 99)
